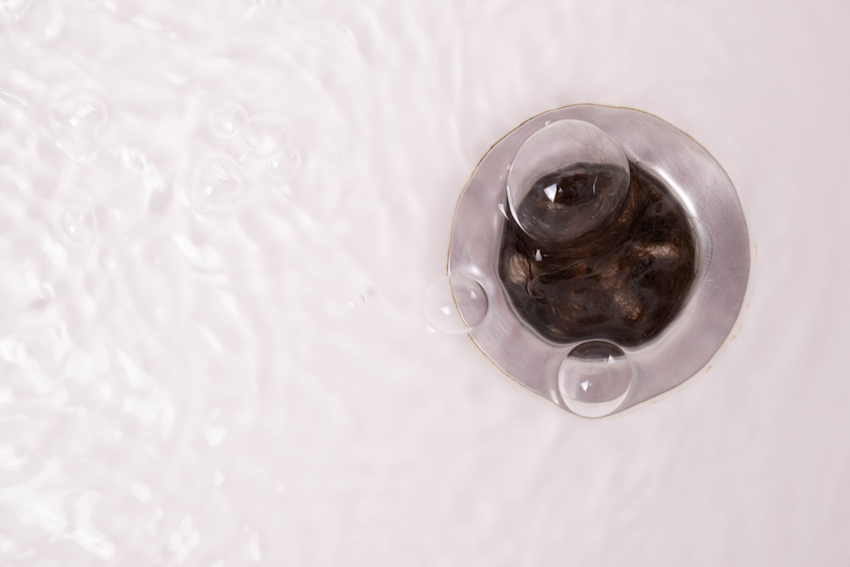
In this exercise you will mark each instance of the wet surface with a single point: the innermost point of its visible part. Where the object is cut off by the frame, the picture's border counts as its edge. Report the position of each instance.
(244, 375)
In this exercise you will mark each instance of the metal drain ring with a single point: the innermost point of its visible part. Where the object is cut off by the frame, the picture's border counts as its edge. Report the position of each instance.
(692, 176)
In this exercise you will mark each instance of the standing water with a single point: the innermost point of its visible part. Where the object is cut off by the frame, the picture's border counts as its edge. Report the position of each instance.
(220, 221)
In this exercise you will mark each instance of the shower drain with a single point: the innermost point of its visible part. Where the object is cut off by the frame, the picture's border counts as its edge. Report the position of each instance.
(611, 251)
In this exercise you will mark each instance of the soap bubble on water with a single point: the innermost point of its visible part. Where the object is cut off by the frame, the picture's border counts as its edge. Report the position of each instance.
(542, 197)
(15, 8)
(455, 304)
(228, 118)
(594, 378)
(266, 132)
(217, 185)
(284, 165)
(78, 117)
(78, 225)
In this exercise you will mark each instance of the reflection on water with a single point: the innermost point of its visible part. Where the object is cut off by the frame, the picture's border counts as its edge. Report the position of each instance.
(168, 280)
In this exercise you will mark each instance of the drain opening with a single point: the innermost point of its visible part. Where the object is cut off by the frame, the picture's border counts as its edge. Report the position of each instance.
(613, 253)
(623, 280)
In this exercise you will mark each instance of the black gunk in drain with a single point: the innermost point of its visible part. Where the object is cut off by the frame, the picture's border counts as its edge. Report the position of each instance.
(621, 281)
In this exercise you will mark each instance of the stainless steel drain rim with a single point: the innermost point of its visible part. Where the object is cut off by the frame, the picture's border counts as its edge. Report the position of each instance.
(723, 256)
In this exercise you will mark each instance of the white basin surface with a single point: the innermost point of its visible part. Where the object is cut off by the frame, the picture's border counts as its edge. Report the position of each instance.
(213, 350)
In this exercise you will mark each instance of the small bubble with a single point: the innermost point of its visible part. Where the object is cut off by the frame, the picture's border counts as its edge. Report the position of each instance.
(356, 301)
(455, 304)
(284, 165)
(217, 186)
(228, 118)
(594, 379)
(266, 132)
(78, 225)
(548, 122)
(15, 8)
(78, 117)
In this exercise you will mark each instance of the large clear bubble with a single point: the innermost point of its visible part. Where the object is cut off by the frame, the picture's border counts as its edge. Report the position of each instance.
(566, 181)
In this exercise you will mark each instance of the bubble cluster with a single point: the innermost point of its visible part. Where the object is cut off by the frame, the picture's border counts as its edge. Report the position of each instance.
(594, 378)
(78, 225)
(78, 117)
(228, 119)
(217, 185)
(455, 304)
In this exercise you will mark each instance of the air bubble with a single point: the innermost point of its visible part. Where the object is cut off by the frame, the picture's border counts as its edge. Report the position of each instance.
(594, 379)
(217, 186)
(228, 119)
(78, 117)
(567, 167)
(283, 166)
(455, 304)
(266, 132)
(78, 225)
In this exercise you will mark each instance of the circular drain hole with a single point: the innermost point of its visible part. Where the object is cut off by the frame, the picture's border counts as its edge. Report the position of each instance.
(612, 252)
(622, 281)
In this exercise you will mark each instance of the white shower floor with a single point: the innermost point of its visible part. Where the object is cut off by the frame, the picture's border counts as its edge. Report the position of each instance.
(245, 375)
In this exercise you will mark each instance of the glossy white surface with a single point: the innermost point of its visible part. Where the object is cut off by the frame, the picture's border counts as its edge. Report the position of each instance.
(238, 370)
